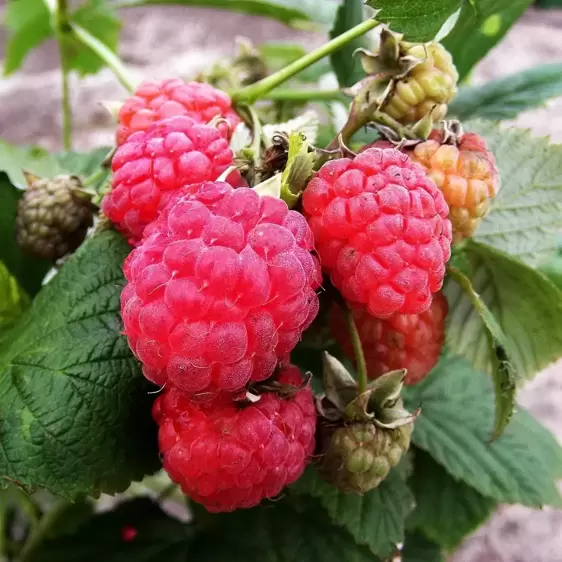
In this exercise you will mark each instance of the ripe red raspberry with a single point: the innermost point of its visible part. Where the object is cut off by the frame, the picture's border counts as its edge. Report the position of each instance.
(151, 166)
(228, 455)
(381, 230)
(157, 100)
(403, 341)
(220, 289)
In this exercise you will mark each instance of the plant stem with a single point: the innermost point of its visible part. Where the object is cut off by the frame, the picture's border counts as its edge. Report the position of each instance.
(256, 91)
(28, 506)
(286, 94)
(167, 491)
(61, 25)
(107, 55)
(357, 349)
(40, 530)
(95, 178)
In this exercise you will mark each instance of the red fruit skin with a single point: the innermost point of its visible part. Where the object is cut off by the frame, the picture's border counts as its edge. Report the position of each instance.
(228, 456)
(403, 341)
(381, 230)
(150, 167)
(220, 290)
(155, 100)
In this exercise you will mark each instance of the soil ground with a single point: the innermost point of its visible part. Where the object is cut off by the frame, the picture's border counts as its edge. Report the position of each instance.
(163, 41)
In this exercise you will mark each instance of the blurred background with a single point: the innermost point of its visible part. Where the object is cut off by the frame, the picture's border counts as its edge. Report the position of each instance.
(172, 41)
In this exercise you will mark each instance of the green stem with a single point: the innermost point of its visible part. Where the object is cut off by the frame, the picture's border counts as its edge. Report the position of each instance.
(466, 286)
(95, 178)
(107, 55)
(286, 94)
(256, 91)
(66, 107)
(40, 530)
(167, 491)
(28, 506)
(59, 15)
(357, 349)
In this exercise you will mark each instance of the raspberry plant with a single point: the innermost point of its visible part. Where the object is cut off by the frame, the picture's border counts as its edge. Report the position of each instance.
(279, 320)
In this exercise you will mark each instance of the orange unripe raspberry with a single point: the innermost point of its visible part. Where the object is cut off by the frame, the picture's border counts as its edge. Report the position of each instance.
(466, 174)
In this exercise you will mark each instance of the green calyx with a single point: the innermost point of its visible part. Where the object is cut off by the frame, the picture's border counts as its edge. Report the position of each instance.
(406, 88)
(361, 436)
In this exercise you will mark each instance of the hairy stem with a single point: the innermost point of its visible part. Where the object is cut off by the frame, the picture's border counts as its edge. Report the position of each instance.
(358, 351)
(256, 91)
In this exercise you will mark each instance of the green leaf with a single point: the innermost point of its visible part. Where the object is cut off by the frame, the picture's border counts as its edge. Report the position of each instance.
(34, 159)
(13, 300)
(28, 271)
(418, 548)
(296, 13)
(521, 466)
(28, 23)
(526, 215)
(287, 531)
(84, 164)
(75, 409)
(277, 55)
(505, 98)
(45, 164)
(446, 510)
(96, 17)
(152, 535)
(481, 24)
(498, 364)
(527, 306)
(552, 267)
(418, 20)
(347, 67)
(375, 519)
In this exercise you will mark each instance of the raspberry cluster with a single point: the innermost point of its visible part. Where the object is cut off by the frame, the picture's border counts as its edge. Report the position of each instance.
(223, 282)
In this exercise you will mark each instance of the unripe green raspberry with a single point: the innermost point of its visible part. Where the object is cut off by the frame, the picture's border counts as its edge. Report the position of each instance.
(53, 217)
(427, 88)
(357, 457)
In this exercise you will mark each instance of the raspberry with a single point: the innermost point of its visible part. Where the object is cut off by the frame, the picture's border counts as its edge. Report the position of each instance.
(427, 88)
(157, 100)
(53, 217)
(227, 455)
(151, 166)
(403, 341)
(220, 289)
(358, 456)
(465, 172)
(381, 230)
